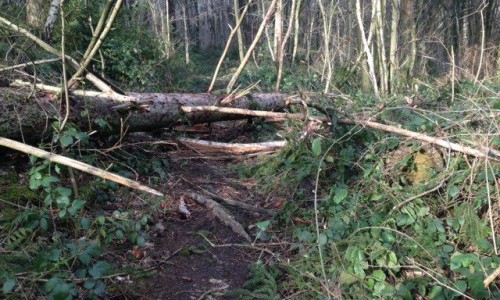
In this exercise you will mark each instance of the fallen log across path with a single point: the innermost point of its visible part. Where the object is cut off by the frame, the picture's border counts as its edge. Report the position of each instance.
(28, 115)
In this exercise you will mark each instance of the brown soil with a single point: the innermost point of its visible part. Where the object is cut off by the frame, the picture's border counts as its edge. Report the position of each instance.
(184, 264)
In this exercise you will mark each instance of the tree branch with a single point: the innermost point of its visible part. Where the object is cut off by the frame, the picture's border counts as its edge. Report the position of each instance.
(59, 159)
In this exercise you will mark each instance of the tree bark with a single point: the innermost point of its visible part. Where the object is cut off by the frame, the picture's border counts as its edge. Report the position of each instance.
(26, 117)
(51, 19)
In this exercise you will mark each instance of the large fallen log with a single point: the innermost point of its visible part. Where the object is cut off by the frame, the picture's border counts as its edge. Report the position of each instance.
(29, 115)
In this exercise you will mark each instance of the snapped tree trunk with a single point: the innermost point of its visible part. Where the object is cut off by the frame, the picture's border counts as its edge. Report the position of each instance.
(29, 117)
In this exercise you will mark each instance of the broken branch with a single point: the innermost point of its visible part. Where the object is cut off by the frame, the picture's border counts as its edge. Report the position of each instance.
(483, 153)
(220, 213)
(59, 159)
(233, 147)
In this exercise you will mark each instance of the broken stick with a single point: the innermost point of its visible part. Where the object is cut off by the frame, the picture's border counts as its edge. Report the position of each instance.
(59, 159)
(220, 213)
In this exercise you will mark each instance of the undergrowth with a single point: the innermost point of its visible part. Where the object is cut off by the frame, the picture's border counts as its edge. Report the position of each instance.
(397, 219)
(55, 240)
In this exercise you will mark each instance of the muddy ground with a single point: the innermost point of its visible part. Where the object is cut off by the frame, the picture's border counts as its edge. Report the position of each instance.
(183, 264)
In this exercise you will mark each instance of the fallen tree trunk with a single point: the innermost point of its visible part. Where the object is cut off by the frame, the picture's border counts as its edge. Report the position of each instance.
(28, 115)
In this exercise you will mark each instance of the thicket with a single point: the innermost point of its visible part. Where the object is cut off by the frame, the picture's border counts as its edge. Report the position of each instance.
(395, 218)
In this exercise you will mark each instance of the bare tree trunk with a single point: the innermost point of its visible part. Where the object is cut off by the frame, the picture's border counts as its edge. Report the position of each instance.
(379, 6)
(393, 59)
(168, 30)
(310, 34)
(411, 35)
(368, 52)
(228, 44)
(280, 58)
(296, 31)
(266, 32)
(263, 25)
(278, 30)
(186, 33)
(326, 46)
(241, 50)
(51, 19)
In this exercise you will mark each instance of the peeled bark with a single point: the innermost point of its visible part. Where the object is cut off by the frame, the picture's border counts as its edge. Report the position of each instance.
(23, 116)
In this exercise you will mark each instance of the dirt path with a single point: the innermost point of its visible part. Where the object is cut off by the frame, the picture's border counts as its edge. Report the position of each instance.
(190, 268)
(197, 268)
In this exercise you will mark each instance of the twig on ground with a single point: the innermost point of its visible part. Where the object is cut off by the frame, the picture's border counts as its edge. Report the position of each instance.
(436, 280)
(228, 200)
(210, 291)
(437, 187)
(491, 277)
(220, 213)
(251, 246)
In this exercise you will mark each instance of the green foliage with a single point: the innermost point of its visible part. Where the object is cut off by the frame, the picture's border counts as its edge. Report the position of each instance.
(53, 238)
(374, 245)
(260, 285)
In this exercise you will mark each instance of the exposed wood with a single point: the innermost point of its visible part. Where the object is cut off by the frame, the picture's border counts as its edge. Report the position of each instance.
(220, 213)
(234, 148)
(491, 277)
(423, 137)
(54, 89)
(21, 115)
(243, 112)
(59, 159)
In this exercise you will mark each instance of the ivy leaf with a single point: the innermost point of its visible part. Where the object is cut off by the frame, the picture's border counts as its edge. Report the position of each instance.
(347, 278)
(323, 239)
(100, 288)
(453, 192)
(89, 284)
(141, 242)
(99, 269)
(85, 222)
(448, 249)
(263, 225)
(379, 275)
(9, 285)
(340, 194)
(46, 181)
(477, 287)
(66, 140)
(436, 293)
(304, 236)
(316, 147)
(76, 206)
(461, 285)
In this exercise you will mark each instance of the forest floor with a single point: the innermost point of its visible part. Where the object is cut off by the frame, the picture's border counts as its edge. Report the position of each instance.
(183, 263)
